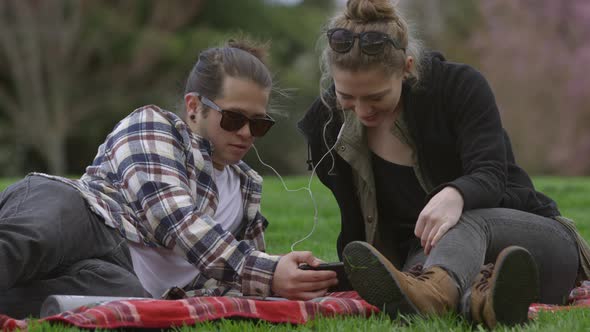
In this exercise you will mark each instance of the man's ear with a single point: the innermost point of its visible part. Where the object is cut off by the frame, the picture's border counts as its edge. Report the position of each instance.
(191, 104)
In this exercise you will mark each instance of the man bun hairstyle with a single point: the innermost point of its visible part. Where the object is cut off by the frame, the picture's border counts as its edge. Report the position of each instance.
(260, 51)
(236, 58)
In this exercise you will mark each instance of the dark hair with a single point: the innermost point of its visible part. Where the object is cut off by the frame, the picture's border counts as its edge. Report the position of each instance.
(371, 15)
(237, 58)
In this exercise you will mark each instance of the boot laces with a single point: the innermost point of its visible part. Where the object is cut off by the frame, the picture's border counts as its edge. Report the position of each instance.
(415, 270)
(484, 282)
(425, 275)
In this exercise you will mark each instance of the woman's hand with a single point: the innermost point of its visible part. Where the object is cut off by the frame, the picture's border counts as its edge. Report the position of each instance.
(438, 216)
(293, 283)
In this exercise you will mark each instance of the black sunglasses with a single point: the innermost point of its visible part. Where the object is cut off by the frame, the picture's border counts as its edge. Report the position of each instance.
(370, 42)
(234, 121)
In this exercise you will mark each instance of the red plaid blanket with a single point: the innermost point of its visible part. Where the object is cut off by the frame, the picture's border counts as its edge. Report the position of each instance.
(579, 298)
(171, 313)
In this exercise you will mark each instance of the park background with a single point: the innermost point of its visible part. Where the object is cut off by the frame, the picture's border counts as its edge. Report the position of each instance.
(69, 70)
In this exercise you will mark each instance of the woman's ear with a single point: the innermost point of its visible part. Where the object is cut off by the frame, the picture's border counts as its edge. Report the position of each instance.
(409, 66)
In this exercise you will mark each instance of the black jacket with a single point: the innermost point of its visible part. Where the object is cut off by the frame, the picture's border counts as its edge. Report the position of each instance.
(459, 139)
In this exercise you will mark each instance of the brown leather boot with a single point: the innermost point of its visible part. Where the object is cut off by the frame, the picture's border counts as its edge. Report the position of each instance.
(378, 282)
(502, 292)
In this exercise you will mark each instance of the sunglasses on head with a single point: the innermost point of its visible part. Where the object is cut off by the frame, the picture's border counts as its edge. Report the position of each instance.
(370, 42)
(234, 121)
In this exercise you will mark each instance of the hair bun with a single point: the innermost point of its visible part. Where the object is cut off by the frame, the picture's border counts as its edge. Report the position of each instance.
(370, 10)
(260, 51)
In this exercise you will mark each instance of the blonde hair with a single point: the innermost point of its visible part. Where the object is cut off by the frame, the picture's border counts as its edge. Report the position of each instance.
(371, 15)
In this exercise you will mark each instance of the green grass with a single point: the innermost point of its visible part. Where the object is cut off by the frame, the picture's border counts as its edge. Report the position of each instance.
(291, 218)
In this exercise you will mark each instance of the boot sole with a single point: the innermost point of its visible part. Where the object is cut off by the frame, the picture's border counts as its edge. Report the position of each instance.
(368, 274)
(515, 285)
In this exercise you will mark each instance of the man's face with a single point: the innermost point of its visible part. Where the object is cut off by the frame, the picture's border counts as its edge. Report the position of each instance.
(238, 95)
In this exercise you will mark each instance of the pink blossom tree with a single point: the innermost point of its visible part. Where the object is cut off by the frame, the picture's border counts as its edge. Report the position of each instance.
(536, 55)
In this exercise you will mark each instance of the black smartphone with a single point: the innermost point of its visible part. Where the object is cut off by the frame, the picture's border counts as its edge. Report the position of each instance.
(337, 267)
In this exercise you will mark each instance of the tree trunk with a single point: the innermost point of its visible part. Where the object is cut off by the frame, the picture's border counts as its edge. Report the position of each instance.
(54, 151)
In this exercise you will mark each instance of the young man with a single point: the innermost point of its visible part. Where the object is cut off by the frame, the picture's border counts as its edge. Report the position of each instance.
(167, 202)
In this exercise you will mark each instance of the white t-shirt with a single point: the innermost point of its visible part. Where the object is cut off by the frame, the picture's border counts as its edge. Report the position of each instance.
(158, 269)
(229, 211)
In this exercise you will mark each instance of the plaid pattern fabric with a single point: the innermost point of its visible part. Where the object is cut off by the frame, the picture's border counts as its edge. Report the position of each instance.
(579, 297)
(152, 179)
(176, 313)
(170, 313)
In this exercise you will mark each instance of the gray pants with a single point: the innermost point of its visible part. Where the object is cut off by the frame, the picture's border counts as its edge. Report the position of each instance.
(480, 235)
(51, 243)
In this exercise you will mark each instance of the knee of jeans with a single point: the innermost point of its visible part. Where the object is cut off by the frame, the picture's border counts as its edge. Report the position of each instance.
(475, 218)
(475, 223)
(106, 278)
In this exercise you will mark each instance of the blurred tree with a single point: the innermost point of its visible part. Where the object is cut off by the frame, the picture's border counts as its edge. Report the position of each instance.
(60, 57)
(326, 5)
(70, 69)
(444, 26)
(35, 50)
(535, 54)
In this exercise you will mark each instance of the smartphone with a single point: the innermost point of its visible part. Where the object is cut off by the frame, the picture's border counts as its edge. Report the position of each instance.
(337, 267)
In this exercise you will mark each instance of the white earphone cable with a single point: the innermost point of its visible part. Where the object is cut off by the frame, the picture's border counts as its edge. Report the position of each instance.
(308, 187)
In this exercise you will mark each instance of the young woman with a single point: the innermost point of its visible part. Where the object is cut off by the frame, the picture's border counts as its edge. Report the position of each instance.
(167, 202)
(426, 181)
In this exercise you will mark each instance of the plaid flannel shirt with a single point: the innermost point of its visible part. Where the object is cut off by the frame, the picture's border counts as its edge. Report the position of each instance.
(152, 179)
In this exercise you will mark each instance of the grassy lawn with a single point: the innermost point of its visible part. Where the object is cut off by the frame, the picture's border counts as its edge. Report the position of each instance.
(291, 218)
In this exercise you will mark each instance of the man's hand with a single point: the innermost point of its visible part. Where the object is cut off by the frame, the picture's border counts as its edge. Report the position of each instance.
(438, 216)
(293, 283)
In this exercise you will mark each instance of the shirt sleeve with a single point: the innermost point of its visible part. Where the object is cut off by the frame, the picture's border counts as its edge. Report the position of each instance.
(480, 140)
(150, 160)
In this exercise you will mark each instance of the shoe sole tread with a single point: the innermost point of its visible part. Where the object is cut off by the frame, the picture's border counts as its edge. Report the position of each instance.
(515, 286)
(380, 287)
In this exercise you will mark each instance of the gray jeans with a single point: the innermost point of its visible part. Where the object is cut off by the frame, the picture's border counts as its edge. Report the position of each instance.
(480, 235)
(51, 243)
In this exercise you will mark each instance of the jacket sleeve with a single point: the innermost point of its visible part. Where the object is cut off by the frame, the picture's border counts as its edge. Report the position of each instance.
(479, 140)
(149, 157)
